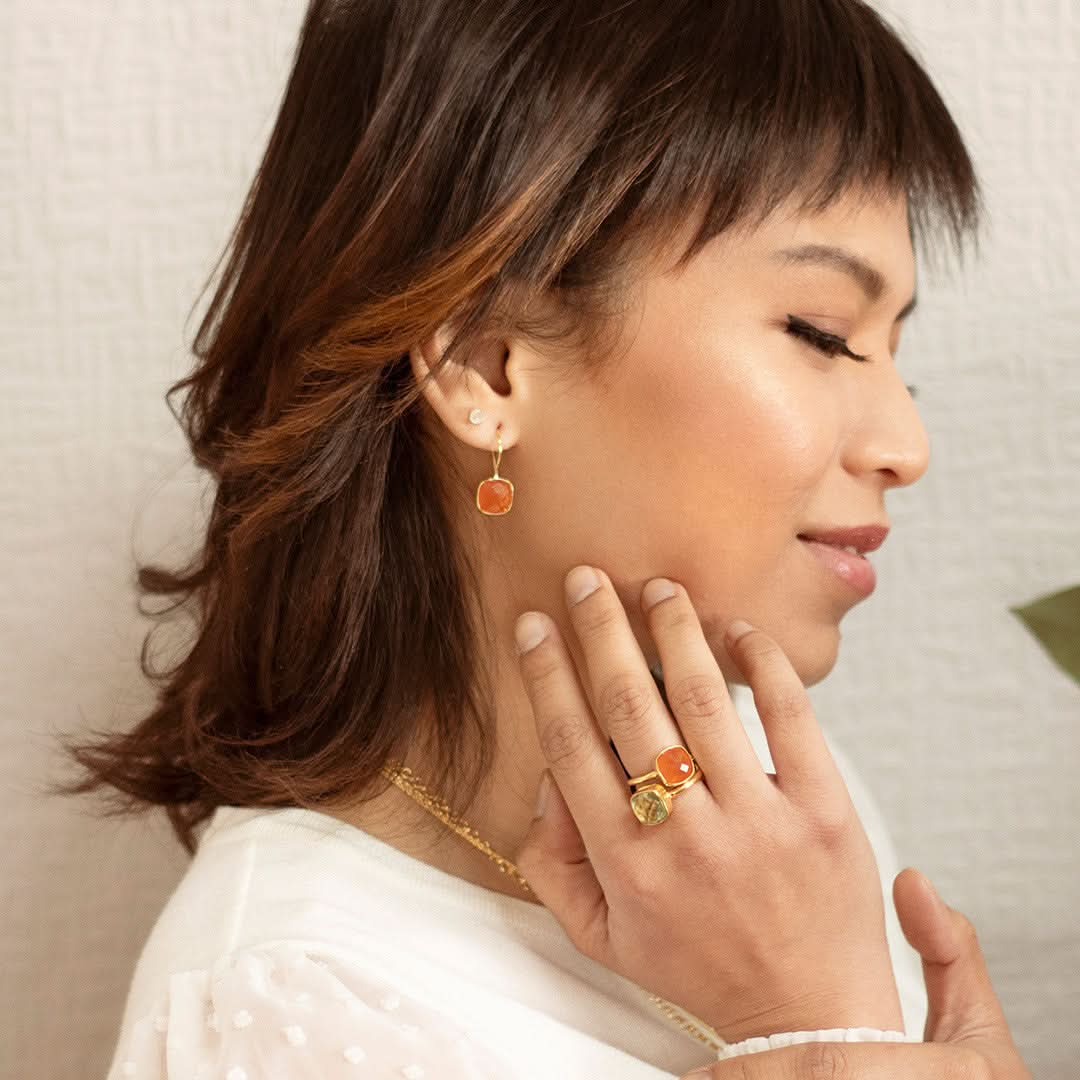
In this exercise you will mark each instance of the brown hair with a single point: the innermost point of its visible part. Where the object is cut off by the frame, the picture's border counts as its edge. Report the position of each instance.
(441, 161)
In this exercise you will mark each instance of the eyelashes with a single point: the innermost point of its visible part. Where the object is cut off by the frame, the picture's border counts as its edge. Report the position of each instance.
(827, 343)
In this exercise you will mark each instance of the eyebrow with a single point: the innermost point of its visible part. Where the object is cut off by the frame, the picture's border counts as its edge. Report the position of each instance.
(869, 278)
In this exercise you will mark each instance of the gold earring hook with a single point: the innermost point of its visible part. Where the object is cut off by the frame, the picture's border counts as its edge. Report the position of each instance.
(497, 454)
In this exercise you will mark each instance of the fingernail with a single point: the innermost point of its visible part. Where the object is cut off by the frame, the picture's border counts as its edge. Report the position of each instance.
(582, 581)
(542, 794)
(529, 631)
(736, 630)
(656, 590)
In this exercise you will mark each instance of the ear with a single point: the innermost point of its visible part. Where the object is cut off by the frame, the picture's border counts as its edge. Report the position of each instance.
(490, 381)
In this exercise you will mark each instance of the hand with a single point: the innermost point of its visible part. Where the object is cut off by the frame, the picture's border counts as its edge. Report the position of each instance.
(967, 1036)
(757, 906)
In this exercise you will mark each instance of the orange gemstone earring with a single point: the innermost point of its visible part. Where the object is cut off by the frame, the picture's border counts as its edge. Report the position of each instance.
(495, 495)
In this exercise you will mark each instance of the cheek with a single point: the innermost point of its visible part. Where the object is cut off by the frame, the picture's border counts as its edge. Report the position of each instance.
(692, 460)
(738, 439)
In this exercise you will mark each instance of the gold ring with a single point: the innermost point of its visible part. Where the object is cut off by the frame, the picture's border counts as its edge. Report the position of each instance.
(676, 770)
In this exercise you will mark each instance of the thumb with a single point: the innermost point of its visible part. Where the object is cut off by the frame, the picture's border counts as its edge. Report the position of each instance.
(554, 861)
(963, 1005)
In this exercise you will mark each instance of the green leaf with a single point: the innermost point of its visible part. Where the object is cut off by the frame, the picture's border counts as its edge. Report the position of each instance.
(1054, 620)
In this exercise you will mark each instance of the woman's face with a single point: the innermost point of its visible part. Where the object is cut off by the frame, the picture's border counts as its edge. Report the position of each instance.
(713, 439)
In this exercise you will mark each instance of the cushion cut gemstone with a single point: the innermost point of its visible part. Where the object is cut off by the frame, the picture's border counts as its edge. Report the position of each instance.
(674, 765)
(495, 496)
(649, 806)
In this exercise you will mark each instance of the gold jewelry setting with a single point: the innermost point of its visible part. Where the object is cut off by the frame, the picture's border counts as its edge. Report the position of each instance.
(676, 770)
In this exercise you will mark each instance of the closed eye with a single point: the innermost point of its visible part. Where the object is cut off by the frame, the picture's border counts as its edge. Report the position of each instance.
(829, 344)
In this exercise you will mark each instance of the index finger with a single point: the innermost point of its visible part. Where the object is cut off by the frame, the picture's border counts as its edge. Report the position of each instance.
(589, 776)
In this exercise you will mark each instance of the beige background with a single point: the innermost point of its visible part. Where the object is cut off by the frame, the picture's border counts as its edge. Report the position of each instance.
(129, 131)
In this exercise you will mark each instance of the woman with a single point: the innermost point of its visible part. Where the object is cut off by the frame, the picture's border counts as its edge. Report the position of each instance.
(654, 258)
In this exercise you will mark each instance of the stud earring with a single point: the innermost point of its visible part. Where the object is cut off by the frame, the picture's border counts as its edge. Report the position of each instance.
(495, 495)
(477, 417)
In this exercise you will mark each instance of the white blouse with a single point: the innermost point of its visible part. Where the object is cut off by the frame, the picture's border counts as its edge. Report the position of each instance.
(302, 948)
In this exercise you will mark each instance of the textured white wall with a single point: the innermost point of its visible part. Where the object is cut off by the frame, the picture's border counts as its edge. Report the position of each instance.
(129, 131)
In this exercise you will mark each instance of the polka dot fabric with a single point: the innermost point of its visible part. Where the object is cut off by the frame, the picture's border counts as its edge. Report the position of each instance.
(281, 1012)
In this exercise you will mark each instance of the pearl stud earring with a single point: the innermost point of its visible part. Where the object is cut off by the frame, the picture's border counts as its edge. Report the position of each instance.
(477, 417)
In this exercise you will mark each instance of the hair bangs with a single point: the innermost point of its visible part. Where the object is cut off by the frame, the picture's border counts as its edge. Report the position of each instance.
(761, 101)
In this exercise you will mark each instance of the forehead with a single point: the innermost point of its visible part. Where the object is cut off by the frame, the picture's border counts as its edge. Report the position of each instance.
(871, 225)
(865, 235)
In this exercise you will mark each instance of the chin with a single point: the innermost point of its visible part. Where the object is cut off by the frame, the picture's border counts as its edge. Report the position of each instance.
(814, 658)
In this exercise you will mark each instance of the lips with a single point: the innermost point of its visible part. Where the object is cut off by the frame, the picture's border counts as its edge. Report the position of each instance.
(855, 571)
(861, 537)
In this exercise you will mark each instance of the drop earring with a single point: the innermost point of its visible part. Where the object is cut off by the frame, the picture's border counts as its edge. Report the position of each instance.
(495, 495)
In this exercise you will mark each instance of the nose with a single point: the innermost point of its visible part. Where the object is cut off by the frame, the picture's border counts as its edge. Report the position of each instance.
(892, 439)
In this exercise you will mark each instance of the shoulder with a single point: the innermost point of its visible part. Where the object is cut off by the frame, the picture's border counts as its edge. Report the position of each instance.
(290, 1009)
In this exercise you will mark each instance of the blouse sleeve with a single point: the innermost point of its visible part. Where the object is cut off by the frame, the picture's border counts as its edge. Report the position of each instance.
(760, 1043)
(281, 1011)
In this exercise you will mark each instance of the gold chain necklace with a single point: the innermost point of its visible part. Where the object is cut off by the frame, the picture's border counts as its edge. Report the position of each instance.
(407, 781)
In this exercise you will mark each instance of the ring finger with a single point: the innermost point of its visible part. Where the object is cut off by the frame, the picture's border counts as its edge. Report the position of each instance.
(698, 695)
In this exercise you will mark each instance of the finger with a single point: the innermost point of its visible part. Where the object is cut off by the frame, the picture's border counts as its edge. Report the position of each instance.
(805, 767)
(586, 771)
(856, 1060)
(698, 696)
(963, 1004)
(923, 919)
(626, 700)
(555, 862)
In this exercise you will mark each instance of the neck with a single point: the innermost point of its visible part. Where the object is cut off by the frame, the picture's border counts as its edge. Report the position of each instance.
(401, 820)
(500, 817)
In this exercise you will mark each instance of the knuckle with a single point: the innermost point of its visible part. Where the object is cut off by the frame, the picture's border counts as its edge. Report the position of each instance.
(631, 883)
(694, 862)
(597, 620)
(625, 703)
(756, 648)
(678, 614)
(564, 740)
(831, 820)
(539, 667)
(824, 1061)
(697, 697)
(638, 880)
(786, 704)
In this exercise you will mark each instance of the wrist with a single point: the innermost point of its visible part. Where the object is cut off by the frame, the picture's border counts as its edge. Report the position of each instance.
(876, 1007)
